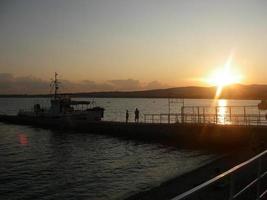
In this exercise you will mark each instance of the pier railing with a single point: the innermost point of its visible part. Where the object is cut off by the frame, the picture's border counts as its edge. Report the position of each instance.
(234, 115)
(231, 185)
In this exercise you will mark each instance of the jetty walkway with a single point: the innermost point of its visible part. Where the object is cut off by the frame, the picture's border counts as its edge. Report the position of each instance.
(219, 127)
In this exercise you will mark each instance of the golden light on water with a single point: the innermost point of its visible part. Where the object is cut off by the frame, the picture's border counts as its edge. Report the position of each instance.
(224, 76)
(222, 111)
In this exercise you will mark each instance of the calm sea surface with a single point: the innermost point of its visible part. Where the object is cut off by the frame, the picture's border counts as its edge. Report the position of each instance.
(43, 164)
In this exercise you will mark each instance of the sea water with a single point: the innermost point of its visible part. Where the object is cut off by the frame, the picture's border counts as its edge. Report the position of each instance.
(38, 163)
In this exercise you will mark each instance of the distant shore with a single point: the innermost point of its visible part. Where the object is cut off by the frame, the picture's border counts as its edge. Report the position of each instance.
(238, 92)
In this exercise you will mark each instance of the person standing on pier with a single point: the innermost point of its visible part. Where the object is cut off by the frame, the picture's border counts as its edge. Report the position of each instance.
(127, 116)
(136, 115)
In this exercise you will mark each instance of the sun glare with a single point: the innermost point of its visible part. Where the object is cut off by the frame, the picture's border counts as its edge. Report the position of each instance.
(224, 76)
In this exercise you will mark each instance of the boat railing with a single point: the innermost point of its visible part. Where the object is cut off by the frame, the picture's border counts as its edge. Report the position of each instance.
(44, 109)
(231, 185)
(3, 112)
(8, 112)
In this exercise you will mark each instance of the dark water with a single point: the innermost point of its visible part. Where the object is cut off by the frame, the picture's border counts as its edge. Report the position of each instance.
(44, 164)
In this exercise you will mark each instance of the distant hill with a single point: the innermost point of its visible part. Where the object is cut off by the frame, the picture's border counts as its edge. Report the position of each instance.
(230, 92)
(180, 92)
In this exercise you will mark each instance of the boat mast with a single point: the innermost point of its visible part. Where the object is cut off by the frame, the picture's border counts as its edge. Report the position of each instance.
(56, 85)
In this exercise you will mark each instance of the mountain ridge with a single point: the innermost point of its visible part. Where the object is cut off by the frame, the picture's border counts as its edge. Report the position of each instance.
(237, 91)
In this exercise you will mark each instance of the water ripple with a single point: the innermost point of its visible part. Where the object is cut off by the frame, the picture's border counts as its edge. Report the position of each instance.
(51, 165)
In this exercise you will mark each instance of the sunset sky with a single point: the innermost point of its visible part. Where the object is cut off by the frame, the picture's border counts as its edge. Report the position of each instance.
(100, 45)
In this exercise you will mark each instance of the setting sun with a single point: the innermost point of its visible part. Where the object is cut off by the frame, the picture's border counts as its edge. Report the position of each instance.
(224, 76)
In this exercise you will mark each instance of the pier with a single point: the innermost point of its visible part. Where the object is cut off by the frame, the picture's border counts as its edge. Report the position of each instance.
(210, 127)
(220, 115)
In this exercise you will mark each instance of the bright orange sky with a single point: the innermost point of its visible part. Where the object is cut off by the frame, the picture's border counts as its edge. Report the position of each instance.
(154, 43)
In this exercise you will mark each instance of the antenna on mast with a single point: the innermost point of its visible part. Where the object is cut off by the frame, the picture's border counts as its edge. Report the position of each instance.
(55, 84)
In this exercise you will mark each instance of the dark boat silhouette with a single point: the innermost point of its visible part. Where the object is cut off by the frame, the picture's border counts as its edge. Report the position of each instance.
(62, 111)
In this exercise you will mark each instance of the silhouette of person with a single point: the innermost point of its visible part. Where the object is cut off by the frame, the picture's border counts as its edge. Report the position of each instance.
(136, 115)
(127, 116)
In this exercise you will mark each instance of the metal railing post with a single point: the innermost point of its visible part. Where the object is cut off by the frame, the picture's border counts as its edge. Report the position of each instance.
(259, 118)
(182, 113)
(230, 113)
(198, 117)
(245, 116)
(204, 117)
(194, 115)
(216, 115)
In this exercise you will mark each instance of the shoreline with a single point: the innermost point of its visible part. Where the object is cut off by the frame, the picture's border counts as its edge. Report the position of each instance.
(129, 97)
(177, 185)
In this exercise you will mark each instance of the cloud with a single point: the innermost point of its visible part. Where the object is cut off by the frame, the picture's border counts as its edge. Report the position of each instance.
(85, 86)
(155, 85)
(9, 84)
(131, 84)
(128, 84)
(5, 81)
(21, 85)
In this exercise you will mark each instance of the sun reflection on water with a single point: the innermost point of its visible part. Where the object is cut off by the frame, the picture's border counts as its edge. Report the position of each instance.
(222, 112)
